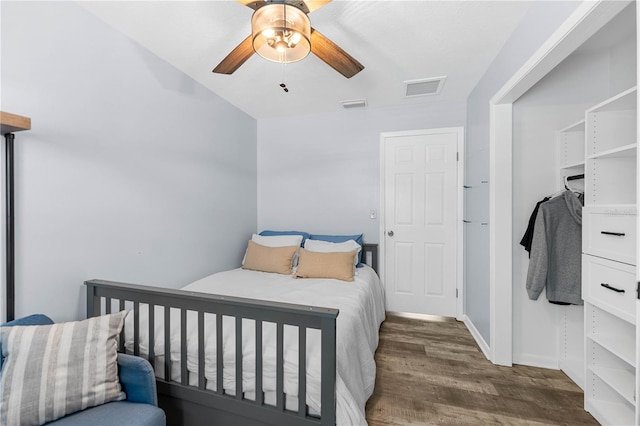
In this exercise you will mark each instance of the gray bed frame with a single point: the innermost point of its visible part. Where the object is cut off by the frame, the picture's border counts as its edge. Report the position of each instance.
(187, 404)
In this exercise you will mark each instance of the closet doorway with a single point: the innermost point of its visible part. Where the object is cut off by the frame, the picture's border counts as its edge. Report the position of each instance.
(421, 221)
(588, 19)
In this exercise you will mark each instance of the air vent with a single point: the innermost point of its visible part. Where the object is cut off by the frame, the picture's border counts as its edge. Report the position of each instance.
(425, 86)
(356, 103)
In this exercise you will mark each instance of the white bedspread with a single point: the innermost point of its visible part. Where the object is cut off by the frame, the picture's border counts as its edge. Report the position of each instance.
(361, 305)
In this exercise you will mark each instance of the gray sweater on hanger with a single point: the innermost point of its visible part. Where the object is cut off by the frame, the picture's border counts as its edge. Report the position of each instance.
(556, 249)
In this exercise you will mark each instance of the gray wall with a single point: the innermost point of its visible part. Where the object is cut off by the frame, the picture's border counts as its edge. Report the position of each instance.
(321, 173)
(132, 171)
(540, 21)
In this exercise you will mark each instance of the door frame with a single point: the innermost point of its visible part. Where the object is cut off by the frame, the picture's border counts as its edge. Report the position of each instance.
(459, 210)
(585, 21)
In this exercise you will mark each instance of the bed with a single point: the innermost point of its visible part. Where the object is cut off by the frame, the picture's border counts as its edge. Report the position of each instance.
(307, 344)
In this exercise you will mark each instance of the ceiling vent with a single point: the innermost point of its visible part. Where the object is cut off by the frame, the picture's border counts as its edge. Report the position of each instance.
(356, 103)
(425, 86)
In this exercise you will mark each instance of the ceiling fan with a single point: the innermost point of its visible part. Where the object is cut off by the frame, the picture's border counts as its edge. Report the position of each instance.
(281, 32)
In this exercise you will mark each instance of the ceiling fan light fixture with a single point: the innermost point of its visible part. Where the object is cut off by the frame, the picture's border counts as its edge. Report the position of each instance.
(281, 33)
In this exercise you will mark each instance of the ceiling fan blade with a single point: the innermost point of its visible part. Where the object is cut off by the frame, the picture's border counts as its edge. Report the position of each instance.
(333, 55)
(314, 4)
(237, 57)
(253, 4)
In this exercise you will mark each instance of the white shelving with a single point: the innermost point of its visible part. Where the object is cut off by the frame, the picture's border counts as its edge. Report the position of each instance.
(609, 241)
(571, 162)
(611, 149)
(621, 381)
(571, 145)
(618, 152)
(614, 411)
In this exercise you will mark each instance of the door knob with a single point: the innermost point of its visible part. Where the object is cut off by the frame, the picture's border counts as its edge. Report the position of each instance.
(390, 233)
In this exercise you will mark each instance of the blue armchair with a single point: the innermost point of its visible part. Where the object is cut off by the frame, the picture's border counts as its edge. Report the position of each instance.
(137, 380)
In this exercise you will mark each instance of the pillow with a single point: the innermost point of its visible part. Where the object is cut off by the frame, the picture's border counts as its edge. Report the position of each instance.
(269, 259)
(278, 241)
(267, 233)
(34, 319)
(337, 265)
(321, 246)
(340, 239)
(54, 370)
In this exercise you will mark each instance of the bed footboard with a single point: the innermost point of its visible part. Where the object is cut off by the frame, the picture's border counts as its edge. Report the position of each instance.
(103, 295)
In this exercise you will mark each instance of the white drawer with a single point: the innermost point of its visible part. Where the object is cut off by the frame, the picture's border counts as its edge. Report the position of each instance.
(610, 233)
(610, 286)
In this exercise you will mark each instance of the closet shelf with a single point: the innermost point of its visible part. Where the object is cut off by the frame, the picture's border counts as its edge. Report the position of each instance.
(575, 127)
(614, 413)
(623, 101)
(623, 349)
(622, 381)
(622, 151)
(572, 166)
(614, 209)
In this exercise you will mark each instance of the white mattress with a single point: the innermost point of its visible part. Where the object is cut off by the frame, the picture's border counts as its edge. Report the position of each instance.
(361, 305)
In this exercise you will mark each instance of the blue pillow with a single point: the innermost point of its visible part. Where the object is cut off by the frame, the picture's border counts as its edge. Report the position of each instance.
(305, 235)
(341, 239)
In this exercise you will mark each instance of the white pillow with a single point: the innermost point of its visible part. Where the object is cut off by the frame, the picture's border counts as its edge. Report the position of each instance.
(320, 246)
(277, 241)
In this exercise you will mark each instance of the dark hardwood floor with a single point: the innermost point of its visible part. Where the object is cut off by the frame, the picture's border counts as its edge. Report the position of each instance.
(433, 373)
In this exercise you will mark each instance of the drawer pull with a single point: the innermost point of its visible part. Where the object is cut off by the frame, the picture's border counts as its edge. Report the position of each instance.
(617, 290)
(615, 234)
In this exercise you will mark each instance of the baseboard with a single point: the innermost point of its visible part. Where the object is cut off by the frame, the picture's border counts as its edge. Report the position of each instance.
(477, 337)
(423, 317)
(536, 361)
(575, 374)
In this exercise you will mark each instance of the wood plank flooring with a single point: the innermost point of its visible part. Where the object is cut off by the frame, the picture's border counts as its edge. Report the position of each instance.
(433, 373)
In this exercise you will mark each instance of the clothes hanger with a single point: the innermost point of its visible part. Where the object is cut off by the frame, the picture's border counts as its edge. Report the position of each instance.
(567, 187)
(573, 177)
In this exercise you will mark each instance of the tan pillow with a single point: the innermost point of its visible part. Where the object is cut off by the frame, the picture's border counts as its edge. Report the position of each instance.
(269, 259)
(338, 265)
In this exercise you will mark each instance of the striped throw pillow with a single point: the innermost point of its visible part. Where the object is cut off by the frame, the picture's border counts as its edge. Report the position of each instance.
(54, 370)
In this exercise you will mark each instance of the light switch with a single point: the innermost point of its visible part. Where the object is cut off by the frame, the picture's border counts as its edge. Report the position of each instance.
(373, 214)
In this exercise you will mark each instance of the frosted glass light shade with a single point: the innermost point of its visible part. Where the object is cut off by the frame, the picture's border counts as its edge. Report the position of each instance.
(281, 33)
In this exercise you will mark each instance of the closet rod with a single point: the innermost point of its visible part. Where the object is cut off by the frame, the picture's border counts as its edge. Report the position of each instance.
(575, 177)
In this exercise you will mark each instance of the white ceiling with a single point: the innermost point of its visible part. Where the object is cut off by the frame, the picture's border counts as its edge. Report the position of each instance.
(394, 40)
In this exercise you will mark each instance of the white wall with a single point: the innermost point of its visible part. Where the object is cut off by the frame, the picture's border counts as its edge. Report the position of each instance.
(540, 21)
(321, 173)
(132, 171)
(560, 99)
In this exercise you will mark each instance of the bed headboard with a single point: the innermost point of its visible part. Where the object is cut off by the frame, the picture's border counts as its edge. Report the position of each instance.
(370, 255)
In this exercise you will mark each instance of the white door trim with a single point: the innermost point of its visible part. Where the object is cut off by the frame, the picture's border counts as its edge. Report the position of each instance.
(459, 210)
(586, 20)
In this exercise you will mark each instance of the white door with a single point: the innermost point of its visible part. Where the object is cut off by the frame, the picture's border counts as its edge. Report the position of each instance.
(421, 221)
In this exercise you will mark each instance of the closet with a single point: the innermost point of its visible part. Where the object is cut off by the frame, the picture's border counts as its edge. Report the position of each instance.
(602, 148)
(580, 121)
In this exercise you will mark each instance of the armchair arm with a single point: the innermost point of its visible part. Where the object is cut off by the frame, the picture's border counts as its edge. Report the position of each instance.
(137, 379)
